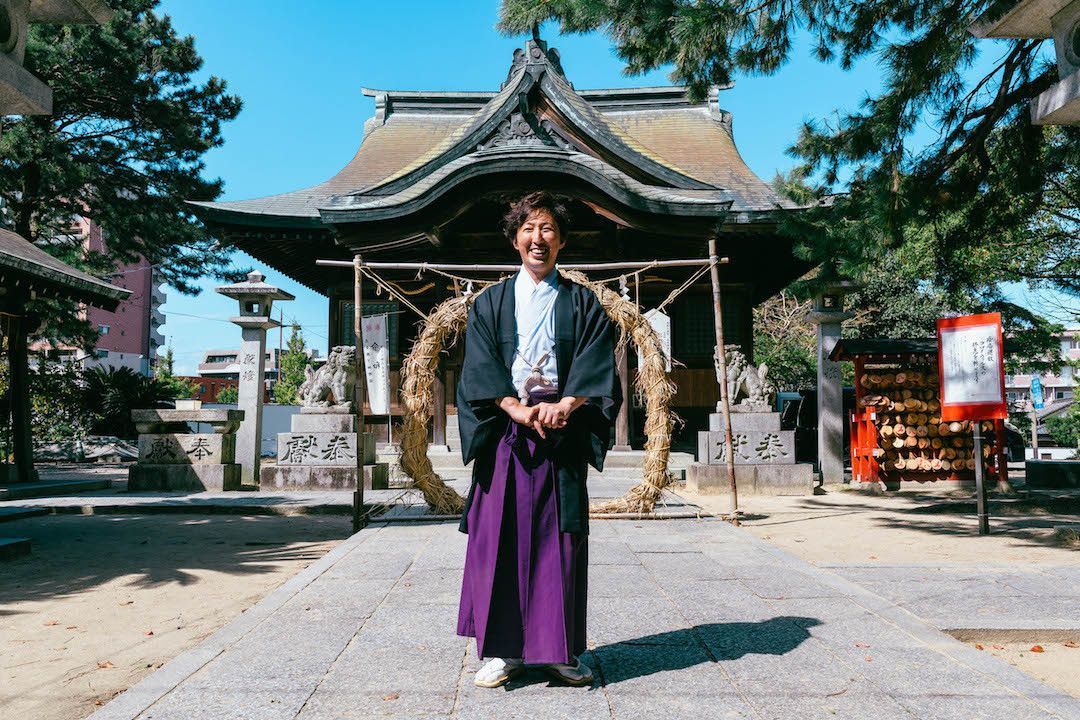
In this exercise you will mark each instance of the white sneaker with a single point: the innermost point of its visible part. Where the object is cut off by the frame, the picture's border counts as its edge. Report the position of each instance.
(498, 671)
(576, 674)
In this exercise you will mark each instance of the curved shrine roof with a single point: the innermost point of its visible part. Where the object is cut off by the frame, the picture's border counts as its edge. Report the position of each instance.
(687, 147)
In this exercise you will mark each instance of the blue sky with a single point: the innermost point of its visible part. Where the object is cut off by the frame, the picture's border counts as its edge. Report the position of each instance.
(299, 68)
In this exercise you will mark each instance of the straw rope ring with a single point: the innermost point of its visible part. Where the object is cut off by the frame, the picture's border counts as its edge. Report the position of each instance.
(441, 330)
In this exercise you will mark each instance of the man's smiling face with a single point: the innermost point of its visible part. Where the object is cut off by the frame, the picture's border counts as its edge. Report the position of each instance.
(538, 241)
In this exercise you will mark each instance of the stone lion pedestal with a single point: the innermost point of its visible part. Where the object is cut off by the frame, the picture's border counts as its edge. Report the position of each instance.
(321, 451)
(764, 454)
(172, 458)
(764, 457)
(320, 454)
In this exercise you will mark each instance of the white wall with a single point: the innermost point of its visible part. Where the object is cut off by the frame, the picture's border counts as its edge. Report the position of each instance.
(1052, 453)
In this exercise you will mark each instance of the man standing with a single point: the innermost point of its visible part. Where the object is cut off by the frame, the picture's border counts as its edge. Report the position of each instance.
(536, 400)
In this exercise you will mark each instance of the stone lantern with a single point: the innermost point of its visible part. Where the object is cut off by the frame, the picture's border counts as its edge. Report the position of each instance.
(828, 315)
(256, 299)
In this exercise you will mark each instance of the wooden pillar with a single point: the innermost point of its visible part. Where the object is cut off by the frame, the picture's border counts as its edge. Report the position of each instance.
(333, 319)
(439, 386)
(18, 358)
(438, 412)
(622, 421)
(449, 388)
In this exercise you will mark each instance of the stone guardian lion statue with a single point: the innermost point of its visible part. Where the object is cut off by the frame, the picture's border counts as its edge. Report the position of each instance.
(747, 385)
(336, 378)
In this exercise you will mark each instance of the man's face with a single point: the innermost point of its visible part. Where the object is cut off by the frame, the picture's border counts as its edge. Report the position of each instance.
(538, 242)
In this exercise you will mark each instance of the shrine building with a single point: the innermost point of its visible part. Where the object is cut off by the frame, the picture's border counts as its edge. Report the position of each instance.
(650, 174)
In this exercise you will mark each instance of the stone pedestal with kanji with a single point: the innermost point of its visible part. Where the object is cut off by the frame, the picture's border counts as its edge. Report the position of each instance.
(320, 453)
(764, 457)
(174, 459)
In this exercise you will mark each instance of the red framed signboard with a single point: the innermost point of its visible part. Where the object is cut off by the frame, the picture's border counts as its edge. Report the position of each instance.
(971, 367)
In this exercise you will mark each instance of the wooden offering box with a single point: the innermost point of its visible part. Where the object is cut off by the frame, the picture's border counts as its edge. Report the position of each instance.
(896, 429)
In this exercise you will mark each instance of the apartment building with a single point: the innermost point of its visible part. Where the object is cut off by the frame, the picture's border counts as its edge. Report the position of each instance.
(224, 364)
(1058, 388)
(130, 335)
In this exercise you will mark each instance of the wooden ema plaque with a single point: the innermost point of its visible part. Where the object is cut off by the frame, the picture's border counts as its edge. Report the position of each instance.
(898, 431)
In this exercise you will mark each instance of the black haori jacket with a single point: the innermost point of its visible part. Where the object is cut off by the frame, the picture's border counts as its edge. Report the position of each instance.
(585, 355)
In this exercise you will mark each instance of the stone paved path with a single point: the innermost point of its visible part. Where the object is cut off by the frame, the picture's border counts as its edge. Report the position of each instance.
(985, 597)
(117, 499)
(687, 619)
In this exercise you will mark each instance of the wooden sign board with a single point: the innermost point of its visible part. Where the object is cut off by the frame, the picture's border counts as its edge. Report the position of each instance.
(971, 368)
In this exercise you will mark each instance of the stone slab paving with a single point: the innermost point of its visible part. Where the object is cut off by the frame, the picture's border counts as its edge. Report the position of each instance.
(402, 504)
(54, 486)
(955, 596)
(234, 501)
(687, 619)
(18, 513)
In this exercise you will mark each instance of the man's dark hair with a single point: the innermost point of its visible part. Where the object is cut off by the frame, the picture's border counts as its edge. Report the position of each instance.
(541, 200)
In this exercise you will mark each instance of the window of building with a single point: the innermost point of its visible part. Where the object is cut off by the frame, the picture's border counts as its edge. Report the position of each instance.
(103, 329)
(101, 353)
(1010, 396)
(693, 329)
(345, 323)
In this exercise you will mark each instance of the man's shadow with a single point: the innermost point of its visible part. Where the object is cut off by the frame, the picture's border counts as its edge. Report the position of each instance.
(681, 649)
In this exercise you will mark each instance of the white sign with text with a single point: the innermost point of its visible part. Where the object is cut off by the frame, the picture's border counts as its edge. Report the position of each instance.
(377, 363)
(661, 323)
(970, 362)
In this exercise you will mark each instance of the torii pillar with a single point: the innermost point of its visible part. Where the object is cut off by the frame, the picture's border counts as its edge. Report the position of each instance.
(256, 300)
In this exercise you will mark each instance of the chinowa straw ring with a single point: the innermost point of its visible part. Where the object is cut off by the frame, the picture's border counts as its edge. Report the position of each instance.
(441, 329)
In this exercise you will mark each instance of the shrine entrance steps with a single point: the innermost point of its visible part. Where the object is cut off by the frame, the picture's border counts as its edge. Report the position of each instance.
(619, 466)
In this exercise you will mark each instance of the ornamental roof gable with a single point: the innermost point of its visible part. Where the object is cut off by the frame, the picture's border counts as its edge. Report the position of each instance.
(537, 107)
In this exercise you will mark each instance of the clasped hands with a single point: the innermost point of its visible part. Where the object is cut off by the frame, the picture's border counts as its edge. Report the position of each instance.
(551, 415)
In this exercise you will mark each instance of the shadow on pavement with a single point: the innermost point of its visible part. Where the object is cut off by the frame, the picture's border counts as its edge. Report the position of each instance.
(1028, 520)
(682, 649)
(75, 554)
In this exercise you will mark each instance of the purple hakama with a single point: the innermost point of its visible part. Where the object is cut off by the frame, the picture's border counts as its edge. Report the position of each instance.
(524, 588)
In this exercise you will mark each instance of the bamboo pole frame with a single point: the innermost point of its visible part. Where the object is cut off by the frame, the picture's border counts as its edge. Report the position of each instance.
(440, 497)
(457, 267)
(725, 401)
(359, 517)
